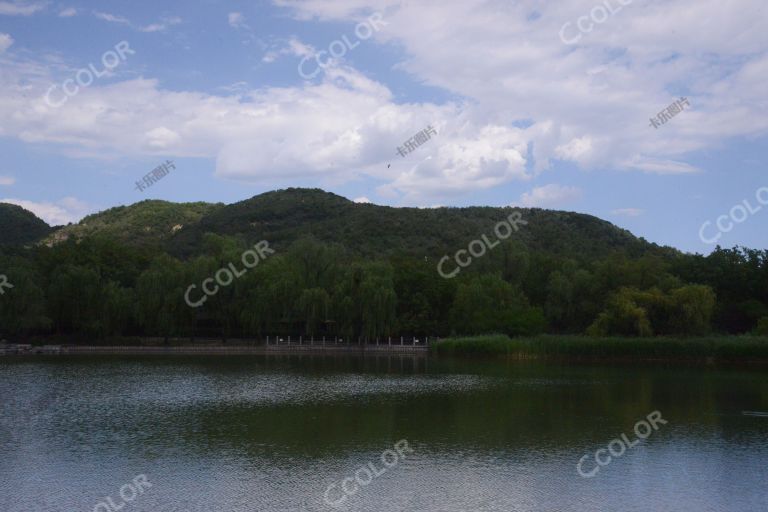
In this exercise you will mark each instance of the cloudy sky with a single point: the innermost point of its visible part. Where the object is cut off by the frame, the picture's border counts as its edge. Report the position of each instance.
(533, 102)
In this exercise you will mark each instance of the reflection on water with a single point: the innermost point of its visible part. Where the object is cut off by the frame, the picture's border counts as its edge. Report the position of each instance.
(271, 433)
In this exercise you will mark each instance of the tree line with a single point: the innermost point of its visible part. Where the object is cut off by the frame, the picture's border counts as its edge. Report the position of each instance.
(99, 288)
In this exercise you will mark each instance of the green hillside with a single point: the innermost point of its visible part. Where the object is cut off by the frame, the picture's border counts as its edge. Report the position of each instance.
(285, 216)
(147, 223)
(19, 226)
(348, 269)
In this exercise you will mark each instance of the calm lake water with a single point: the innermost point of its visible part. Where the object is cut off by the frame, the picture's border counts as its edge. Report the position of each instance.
(236, 434)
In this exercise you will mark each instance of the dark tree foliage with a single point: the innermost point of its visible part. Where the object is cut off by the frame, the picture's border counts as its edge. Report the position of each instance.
(19, 226)
(348, 270)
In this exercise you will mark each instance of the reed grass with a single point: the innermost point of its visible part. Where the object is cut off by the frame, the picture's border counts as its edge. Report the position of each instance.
(725, 348)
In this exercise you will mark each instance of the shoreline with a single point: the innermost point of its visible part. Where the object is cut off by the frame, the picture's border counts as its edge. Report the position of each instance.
(704, 351)
(421, 352)
(213, 350)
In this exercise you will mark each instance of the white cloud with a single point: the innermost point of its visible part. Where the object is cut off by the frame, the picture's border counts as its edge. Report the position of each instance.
(591, 101)
(112, 18)
(20, 8)
(236, 20)
(524, 98)
(240, 87)
(293, 47)
(163, 25)
(659, 166)
(154, 27)
(64, 211)
(162, 138)
(461, 160)
(628, 212)
(7, 180)
(5, 42)
(550, 196)
(577, 149)
(68, 12)
(338, 129)
(363, 199)
(299, 49)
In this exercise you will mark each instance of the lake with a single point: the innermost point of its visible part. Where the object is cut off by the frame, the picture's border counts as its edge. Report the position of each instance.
(322, 433)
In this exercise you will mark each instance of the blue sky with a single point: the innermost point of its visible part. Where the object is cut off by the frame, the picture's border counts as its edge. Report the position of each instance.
(534, 103)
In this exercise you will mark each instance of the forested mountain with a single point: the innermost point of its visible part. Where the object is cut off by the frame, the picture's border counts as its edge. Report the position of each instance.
(341, 268)
(19, 226)
(148, 223)
(285, 216)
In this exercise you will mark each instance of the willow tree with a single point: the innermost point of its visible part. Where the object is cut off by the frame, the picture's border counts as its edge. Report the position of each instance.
(160, 304)
(22, 308)
(364, 300)
(313, 306)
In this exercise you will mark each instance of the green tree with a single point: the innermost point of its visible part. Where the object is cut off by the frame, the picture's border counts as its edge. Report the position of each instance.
(487, 304)
(692, 306)
(161, 308)
(22, 308)
(74, 299)
(313, 304)
(622, 317)
(762, 327)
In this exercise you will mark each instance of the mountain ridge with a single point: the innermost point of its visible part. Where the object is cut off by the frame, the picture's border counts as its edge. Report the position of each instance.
(19, 226)
(283, 216)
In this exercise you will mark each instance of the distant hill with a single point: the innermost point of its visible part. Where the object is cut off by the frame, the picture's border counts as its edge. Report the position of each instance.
(344, 268)
(149, 222)
(20, 227)
(285, 215)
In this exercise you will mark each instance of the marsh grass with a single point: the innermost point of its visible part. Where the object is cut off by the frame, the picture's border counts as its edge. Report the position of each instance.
(723, 348)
